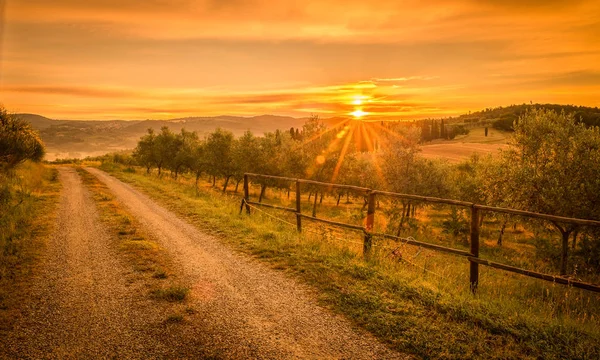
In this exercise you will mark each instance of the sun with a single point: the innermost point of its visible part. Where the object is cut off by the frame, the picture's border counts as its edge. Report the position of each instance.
(358, 113)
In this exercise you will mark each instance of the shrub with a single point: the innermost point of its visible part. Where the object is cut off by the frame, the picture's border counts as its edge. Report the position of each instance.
(18, 141)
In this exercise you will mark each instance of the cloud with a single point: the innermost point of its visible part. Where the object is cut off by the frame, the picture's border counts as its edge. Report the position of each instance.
(73, 91)
(412, 57)
(326, 20)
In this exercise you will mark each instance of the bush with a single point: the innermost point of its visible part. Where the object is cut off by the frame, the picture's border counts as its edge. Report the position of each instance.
(457, 224)
(589, 251)
(505, 123)
(18, 141)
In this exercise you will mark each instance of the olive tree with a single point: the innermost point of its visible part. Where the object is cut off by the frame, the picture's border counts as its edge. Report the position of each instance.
(144, 151)
(218, 152)
(552, 167)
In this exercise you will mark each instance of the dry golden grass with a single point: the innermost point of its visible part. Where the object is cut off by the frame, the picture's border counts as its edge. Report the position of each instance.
(25, 222)
(463, 146)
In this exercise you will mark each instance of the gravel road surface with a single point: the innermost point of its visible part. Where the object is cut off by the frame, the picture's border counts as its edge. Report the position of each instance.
(81, 303)
(243, 308)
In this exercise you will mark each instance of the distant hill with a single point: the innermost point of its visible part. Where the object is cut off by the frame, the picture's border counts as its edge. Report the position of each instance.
(39, 122)
(502, 118)
(81, 138)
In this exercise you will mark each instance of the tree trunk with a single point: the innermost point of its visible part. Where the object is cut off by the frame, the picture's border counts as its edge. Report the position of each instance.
(321, 200)
(196, 187)
(237, 185)
(263, 188)
(338, 200)
(502, 232)
(147, 169)
(404, 206)
(575, 233)
(214, 181)
(366, 202)
(226, 183)
(309, 195)
(314, 213)
(288, 193)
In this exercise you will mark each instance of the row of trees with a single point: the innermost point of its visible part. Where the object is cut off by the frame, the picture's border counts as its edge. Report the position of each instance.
(553, 165)
(221, 155)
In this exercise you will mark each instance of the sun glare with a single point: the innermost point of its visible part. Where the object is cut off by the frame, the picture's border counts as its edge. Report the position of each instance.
(358, 113)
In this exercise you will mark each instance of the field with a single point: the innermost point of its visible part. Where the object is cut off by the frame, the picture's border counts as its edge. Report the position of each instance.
(463, 146)
(414, 299)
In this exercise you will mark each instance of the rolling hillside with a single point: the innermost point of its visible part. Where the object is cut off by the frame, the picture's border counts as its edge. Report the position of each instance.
(78, 139)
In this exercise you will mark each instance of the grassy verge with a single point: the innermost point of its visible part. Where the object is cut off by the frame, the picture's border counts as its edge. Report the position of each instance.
(28, 198)
(413, 311)
(150, 263)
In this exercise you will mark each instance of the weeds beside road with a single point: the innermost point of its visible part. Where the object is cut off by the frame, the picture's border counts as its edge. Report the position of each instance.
(28, 198)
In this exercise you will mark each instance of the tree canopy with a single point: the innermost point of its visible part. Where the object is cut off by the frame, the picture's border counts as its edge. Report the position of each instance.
(18, 141)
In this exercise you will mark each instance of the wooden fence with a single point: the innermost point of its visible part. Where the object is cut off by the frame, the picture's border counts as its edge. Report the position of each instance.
(472, 255)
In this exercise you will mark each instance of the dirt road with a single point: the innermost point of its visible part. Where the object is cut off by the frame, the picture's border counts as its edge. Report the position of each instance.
(83, 303)
(245, 308)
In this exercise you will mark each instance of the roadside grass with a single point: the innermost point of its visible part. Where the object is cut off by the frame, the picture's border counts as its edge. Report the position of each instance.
(418, 302)
(28, 204)
(172, 294)
(150, 263)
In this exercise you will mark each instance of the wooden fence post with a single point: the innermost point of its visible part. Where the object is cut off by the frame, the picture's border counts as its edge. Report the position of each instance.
(246, 193)
(474, 268)
(369, 225)
(298, 207)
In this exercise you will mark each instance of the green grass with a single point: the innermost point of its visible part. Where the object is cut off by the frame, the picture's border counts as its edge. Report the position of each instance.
(28, 199)
(430, 314)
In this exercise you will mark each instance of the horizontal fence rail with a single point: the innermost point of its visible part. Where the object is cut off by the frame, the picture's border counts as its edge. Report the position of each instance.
(472, 255)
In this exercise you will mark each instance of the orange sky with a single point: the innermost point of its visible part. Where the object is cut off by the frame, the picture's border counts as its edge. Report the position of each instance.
(107, 59)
